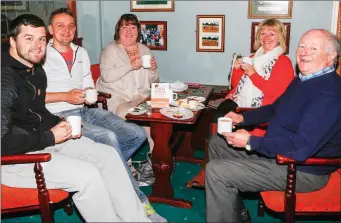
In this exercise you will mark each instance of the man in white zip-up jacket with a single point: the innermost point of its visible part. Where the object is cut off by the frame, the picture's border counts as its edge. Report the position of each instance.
(67, 67)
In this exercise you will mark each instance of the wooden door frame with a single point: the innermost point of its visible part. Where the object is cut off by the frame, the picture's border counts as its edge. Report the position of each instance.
(71, 4)
(338, 33)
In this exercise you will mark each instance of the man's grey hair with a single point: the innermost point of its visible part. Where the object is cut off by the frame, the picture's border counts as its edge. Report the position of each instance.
(335, 44)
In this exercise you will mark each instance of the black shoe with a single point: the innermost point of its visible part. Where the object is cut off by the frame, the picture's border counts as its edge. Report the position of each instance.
(245, 216)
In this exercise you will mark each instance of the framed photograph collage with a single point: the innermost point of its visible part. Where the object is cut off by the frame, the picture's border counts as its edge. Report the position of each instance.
(210, 29)
(154, 34)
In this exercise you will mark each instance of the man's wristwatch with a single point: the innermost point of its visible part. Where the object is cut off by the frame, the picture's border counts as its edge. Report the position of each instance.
(248, 146)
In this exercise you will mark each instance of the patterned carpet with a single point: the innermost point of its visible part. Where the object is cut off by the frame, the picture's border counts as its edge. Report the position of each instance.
(183, 173)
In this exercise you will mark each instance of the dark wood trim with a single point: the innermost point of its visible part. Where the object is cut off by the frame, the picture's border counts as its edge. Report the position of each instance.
(71, 4)
(338, 33)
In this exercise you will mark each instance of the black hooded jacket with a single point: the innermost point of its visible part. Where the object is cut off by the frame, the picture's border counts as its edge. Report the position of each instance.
(25, 122)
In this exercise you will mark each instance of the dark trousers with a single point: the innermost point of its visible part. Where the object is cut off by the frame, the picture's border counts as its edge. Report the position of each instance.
(230, 170)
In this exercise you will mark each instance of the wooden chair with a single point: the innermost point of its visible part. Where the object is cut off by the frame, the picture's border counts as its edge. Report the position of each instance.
(326, 201)
(102, 96)
(14, 200)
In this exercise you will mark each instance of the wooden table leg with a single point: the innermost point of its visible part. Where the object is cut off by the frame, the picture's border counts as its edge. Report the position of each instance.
(162, 163)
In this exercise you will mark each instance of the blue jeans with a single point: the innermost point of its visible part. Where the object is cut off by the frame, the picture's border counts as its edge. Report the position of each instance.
(105, 127)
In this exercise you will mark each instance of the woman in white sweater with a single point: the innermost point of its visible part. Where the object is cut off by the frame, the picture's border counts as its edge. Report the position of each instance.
(122, 73)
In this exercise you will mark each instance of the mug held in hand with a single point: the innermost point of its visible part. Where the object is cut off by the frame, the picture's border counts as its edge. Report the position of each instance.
(247, 60)
(146, 63)
(224, 125)
(76, 124)
(91, 95)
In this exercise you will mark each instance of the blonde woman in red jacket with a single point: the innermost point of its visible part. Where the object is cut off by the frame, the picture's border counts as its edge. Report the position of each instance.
(259, 83)
(263, 81)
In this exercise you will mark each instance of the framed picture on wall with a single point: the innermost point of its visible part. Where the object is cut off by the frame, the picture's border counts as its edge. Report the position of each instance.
(270, 9)
(151, 6)
(254, 28)
(210, 33)
(14, 6)
(154, 34)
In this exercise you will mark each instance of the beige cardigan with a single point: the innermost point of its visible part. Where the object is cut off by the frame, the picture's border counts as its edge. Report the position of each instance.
(119, 79)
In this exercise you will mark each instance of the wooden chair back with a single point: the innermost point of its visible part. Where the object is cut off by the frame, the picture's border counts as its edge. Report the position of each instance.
(325, 201)
(95, 71)
(15, 200)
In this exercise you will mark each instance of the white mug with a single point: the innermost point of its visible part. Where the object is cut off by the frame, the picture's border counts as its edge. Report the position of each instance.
(247, 60)
(91, 95)
(224, 125)
(172, 96)
(146, 63)
(76, 124)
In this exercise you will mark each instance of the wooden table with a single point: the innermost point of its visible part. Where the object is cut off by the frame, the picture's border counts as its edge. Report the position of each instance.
(162, 129)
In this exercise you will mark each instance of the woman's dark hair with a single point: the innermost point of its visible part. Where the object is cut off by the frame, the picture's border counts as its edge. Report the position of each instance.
(26, 20)
(127, 19)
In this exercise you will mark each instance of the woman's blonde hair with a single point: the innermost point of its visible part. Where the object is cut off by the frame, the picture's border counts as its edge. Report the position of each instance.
(280, 29)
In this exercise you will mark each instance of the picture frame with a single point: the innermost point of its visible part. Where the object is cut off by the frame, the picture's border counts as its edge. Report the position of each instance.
(210, 33)
(254, 27)
(14, 6)
(151, 6)
(154, 34)
(270, 9)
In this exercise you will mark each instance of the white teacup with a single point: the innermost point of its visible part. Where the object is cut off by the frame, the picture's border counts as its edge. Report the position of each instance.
(172, 96)
(247, 60)
(91, 95)
(193, 104)
(224, 125)
(146, 61)
(76, 124)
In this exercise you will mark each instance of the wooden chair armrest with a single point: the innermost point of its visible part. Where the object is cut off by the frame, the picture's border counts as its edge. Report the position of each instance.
(240, 109)
(25, 158)
(225, 91)
(104, 94)
(311, 161)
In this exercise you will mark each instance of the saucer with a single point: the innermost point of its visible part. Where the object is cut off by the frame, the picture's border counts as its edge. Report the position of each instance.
(175, 89)
(137, 110)
(197, 98)
(183, 103)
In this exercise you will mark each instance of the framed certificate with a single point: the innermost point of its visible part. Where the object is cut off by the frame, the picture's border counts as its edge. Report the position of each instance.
(270, 9)
(151, 6)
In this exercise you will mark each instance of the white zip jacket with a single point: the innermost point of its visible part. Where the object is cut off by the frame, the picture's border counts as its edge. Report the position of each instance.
(60, 79)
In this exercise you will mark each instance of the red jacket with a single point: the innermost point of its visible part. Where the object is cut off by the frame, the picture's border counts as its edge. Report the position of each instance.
(281, 76)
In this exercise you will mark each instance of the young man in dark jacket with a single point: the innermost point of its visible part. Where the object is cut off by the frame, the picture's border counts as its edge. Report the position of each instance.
(94, 171)
(304, 122)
